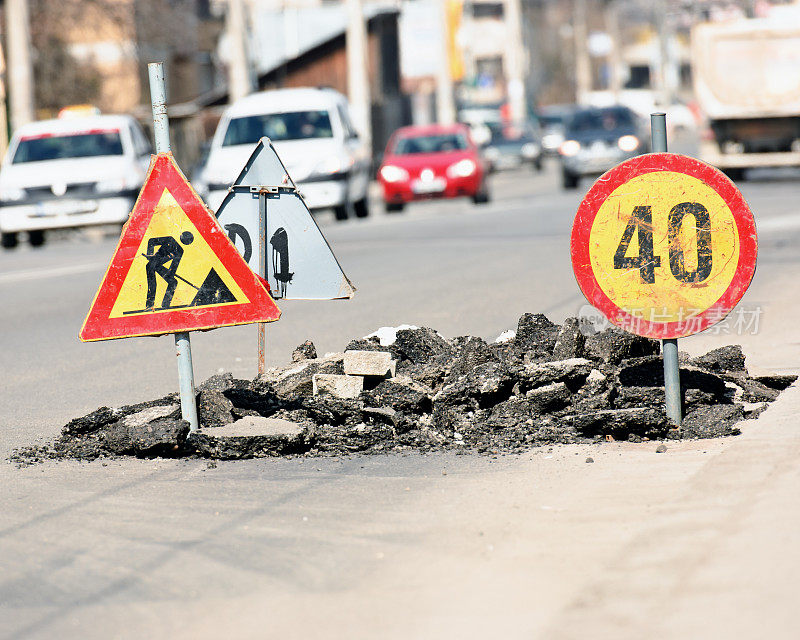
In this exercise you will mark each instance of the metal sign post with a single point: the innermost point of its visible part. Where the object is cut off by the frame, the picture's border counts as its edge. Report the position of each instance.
(183, 346)
(293, 256)
(664, 246)
(264, 271)
(669, 346)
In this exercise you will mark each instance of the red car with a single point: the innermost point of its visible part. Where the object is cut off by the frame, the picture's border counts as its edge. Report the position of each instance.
(433, 161)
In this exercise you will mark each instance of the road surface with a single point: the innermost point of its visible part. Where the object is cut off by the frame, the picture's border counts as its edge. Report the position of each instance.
(698, 542)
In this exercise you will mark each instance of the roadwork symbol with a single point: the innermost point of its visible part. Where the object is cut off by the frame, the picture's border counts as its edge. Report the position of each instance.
(174, 269)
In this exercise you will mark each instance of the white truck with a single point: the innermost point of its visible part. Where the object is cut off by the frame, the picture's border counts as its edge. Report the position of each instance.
(747, 83)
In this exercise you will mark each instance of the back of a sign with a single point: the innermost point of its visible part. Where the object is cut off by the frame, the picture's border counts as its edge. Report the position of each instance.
(298, 262)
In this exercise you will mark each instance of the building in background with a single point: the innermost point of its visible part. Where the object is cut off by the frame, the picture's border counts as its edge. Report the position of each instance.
(96, 52)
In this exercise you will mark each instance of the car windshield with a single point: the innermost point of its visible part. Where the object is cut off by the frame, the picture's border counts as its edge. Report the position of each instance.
(511, 134)
(76, 145)
(552, 120)
(608, 119)
(439, 143)
(294, 125)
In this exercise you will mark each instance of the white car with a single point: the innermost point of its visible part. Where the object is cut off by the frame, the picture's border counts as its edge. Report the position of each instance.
(314, 137)
(71, 172)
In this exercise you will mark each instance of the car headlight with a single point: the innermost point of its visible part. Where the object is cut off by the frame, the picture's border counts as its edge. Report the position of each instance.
(569, 148)
(462, 169)
(628, 143)
(552, 140)
(11, 194)
(391, 173)
(331, 165)
(530, 149)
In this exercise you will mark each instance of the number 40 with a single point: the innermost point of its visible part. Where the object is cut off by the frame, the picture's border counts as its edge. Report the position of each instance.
(646, 262)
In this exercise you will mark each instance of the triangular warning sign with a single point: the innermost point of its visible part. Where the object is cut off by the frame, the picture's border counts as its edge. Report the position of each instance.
(297, 261)
(174, 268)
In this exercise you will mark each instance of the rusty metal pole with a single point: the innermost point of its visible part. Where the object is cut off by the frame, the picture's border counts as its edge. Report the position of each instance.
(669, 346)
(264, 273)
(183, 347)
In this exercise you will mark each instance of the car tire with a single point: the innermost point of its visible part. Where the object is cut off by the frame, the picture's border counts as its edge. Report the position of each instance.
(8, 240)
(482, 197)
(537, 164)
(394, 207)
(361, 208)
(341, 213)
(735, 174)
(569, 180)
(36, 238)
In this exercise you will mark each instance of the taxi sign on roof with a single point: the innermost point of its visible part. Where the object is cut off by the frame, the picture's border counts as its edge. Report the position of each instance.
(174, 269)
(664, 245)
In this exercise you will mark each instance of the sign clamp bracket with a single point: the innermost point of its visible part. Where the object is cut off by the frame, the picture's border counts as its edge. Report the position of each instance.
(261, 188)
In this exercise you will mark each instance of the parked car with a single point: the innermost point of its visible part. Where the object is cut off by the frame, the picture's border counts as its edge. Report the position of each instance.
(513, 146)
(433, 161)
(314, 137)
(553, 119)
(74, 171)
(597, 139)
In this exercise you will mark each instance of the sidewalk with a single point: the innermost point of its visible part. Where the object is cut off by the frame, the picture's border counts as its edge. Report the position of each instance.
(721, 559)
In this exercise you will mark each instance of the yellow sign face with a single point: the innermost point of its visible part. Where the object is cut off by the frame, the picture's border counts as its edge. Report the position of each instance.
(664, 246)
(174, 268)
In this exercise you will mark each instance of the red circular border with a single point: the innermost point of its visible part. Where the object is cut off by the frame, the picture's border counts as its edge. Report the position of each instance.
(619, 175)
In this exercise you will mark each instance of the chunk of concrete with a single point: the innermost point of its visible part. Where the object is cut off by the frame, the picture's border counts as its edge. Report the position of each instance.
(250, 437)
(258, 426)
(159, 437)
(150, 414)
(297, 378)
(337, 385)
(305, 351)
(369, 363)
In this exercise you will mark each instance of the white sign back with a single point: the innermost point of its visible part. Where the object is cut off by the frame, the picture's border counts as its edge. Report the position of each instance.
(299, 263)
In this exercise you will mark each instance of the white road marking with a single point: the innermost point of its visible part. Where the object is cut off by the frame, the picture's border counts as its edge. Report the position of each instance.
(53, 272)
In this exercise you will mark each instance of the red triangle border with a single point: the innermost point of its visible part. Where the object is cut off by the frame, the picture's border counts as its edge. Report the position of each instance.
(165, 174)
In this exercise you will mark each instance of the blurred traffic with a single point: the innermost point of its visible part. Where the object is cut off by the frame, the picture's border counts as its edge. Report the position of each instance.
(433, 161)
(346, 90)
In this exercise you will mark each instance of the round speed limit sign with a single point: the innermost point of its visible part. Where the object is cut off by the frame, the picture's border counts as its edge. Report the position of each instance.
(664, 245)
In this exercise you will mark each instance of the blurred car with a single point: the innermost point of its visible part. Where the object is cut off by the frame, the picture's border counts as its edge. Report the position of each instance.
(433, 161)
(553, 120)
(313, 134)
(512, 146)
(597, 139)
(480, 118)
(78, 170)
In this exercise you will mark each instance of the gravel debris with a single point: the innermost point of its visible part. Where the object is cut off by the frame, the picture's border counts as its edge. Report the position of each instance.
(541, 385)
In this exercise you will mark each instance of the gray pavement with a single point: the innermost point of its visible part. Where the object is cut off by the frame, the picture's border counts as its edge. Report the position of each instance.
(697, 542)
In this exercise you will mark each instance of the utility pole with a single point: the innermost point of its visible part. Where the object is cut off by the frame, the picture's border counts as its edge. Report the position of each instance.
(515, 61)
(445, 100)
(238, 69)
(357, 70)
(614, 55)
(583, 68)
(20, 66)
(3, 120)
(667, 73)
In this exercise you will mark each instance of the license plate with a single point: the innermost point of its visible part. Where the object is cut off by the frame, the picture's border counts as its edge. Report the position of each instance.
(437, 185)
(64, 208)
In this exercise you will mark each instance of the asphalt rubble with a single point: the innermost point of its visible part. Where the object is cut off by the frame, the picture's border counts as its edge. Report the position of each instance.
(540, 385)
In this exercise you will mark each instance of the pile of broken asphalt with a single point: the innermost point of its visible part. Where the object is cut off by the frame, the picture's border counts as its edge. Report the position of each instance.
(544, 384)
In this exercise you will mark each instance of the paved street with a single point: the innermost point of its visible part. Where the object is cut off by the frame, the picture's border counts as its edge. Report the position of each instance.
(699, 542)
